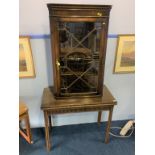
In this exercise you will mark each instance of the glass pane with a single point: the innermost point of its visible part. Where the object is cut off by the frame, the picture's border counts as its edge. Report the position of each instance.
(79, 56)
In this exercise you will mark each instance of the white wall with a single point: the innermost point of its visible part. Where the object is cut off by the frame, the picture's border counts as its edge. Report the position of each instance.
(34, 20)
(34, 15)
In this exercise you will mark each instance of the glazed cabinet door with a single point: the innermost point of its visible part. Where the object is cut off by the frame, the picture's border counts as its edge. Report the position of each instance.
(79, 57)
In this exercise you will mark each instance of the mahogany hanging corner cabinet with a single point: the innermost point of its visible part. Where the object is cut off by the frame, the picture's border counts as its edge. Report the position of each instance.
(78, 41)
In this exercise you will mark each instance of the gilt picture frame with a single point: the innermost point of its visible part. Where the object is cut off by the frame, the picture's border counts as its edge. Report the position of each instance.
(26, 64)
(125, 54)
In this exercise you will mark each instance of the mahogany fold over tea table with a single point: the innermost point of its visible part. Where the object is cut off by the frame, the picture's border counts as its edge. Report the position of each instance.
(51, 106)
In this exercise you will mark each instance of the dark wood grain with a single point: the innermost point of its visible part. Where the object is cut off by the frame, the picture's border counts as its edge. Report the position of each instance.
(108, 125)
(46, 118)
(78, 13)
(75, 10)
(100, 99)
(51, 103)
(51, 106)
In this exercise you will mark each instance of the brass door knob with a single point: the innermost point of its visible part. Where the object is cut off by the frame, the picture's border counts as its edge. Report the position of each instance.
(57, 63)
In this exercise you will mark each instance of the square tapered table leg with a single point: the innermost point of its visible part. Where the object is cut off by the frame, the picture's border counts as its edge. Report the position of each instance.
(108, 125)
(47, 137)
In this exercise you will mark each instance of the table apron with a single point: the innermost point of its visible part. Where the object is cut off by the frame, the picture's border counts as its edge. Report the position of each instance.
(61, 111)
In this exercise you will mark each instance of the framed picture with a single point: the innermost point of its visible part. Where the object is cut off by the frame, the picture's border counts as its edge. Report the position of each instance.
(26, 66)
(125, 54)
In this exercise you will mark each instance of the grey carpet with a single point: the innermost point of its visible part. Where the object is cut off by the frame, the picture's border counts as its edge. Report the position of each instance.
(83, 139)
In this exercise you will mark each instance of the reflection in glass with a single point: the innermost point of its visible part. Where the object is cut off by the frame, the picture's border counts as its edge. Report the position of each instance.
(79, 57)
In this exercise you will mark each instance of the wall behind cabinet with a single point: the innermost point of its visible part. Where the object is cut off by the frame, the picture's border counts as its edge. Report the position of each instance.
(34, 21)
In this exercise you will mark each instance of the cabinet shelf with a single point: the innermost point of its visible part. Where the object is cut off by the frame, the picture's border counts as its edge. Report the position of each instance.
(80, 59)
(65, 72)
(78, 74)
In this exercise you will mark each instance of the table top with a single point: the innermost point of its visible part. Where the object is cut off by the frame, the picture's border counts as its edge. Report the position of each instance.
(50, 103)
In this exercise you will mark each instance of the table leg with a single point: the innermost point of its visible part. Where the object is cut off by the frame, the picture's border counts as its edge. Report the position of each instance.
(47, 138)
(50, 122)
(108, 125)
(99, 117)
(28, 130)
